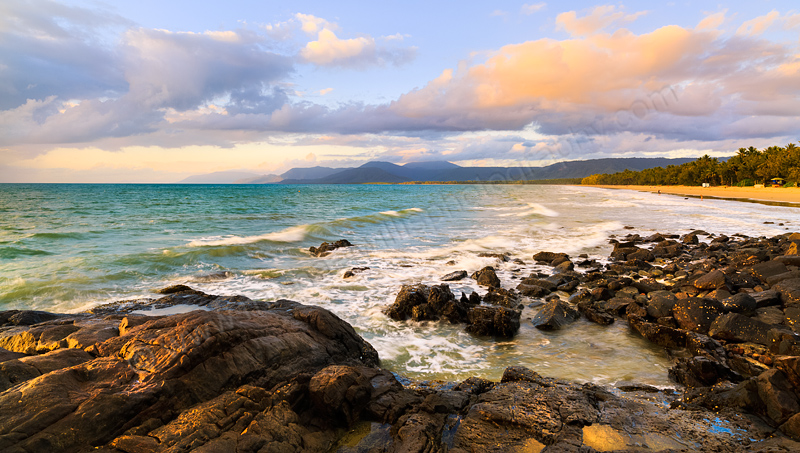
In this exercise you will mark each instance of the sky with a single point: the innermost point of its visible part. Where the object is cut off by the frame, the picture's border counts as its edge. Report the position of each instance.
(155, 91)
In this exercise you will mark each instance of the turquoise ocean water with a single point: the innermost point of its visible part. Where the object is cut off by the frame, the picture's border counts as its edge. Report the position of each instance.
(67, 247)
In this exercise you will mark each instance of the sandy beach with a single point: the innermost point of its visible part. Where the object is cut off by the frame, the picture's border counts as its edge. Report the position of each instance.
(782, 195)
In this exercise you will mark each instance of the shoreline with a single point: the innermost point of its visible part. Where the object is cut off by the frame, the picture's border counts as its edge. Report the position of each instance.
(787, 196)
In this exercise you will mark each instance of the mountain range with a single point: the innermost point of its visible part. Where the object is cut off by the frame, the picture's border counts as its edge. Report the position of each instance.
(435, 171)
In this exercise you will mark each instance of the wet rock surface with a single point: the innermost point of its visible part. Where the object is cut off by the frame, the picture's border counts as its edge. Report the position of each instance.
(326, 248)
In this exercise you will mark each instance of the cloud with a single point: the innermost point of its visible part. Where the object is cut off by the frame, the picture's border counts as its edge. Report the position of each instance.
(60, 53)
(528, 9)
(712, 21)
(599, 18)
(325, 91)
(758, 25)
(330, 50)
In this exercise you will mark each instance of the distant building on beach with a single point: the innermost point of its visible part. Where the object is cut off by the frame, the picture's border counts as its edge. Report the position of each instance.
(777, 182)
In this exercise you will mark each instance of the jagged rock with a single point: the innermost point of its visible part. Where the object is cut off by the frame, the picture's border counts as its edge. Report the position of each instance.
(739, 328)
(770, 315)
(789, 291)
(493, 321)
(422, 302)
(487, 277)
(326, 248)
(352, 272)
(555, 315)
(661, 335)
(766, 298)
(776, 393)
(454, 276)
(660, 304)
(696, 314)
(548, 257)
(712, 280)
(505, 297)
(500, 256)
(699, 372)
(161, 368)
(768, 269)
(740, 303)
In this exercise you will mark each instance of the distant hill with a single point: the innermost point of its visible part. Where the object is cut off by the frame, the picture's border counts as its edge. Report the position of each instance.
(358, 175)
(433, 165)
(310, 173)
(388, 172)
(436, 171)
(218, 177)
(263, 179)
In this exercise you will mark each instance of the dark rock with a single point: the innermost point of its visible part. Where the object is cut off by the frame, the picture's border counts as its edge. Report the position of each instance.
(768, 269)
(648, 285)
(564, 266)
(504, 297)
(522, 374)
(548, 257)
(409, 297)
(740, 303)
(770, 315)
(660, 303)
(582, 295)
(594, 315)
(696, 314)
(173, 289)
(774, 279)
(325, 248)
(766, 298)
(698, 372)
(691, 239)
(555, 315)
(712, 280)
(25, 317)
(487, 277)
(474, 385)
(792, 317)
(792, 427)
(661, 335)
(352, 272)
(169, 365)
(454, 276)
(494, 321)
(789, 260)
(789, 291)
(776, 393)
(739, 328)
(340, 392)
(500, 256)
(5, 355)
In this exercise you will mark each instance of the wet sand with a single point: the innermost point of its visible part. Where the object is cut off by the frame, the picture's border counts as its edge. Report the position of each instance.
(773, 194)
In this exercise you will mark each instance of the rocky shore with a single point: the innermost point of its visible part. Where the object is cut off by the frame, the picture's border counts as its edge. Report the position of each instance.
(253, 376)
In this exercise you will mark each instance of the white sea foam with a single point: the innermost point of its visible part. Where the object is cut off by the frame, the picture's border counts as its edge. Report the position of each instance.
(291, 234)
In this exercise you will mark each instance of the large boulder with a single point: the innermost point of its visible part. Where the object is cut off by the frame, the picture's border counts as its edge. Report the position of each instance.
(422, 302)
(487, 277)
(739, 328)
(156, 370)
(493, 321)
(555, 315)
(696, 314)
(789, 291)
